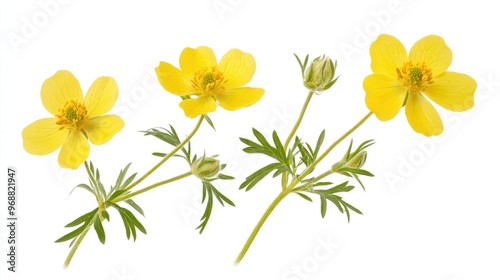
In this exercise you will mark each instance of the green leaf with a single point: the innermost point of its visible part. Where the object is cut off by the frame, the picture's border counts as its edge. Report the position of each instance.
(323, 206)
(352, 208)
(209, 121)
(87, 217)
(300, 62)
(129, 221)
(359, 181)
(121, 176)
(220, 197)
(99, 229)
(135, 206)
(347, 155)
(356, 171)
(101, 188)
(304, 196)
(159, 154)
(254, 148)
(91, 167)
(85, 187)
(335, 200)
(329, 195)
(171, 137)
(302, 65)
(320, 184)
(263, 141)
(72, 234)
(225, 177)
(363, 146)
(208, 210)
(129, 180)
(306, 156)
(347, 206)
(258, 175)
(134, 220)
(305, 61)
(321, 138)
(209, 191)
(126, 225)
(105, 214)
(116, 194)
(280, 170)
(338, 188)
(279, 147)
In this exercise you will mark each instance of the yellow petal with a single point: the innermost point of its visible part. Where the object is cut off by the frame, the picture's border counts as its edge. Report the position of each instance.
(173, 80)
(198, 106)
(238, 98)
(453, 91)
(43, 136)
(387, 54)
(193, 60)
(237, 67)
(74, 151)
(101, 96)
(422, 116)
(384, 96)
(434, 52)
(101, 129)
(58, 89)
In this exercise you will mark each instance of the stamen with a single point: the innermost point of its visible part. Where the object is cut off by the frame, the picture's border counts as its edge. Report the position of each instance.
(416, 77)
(72, 116)
(208, 81)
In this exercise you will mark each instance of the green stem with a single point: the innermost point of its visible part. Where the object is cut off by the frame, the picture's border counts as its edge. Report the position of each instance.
(290, 188)
(173, 179)
(316, 179)
(257, 227)
(299, 120)
(284, 177)
(169, 155)
(98, 194)
(75, 246)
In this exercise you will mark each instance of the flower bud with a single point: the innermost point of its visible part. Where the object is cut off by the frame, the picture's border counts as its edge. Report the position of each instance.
(205, 168)
(320, 75)
(357, 161)
(338, 165)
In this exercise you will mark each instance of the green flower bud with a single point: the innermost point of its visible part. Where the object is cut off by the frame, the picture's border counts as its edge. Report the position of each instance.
(338, 165)
(358, 160)
(320, 74)
(205, 168)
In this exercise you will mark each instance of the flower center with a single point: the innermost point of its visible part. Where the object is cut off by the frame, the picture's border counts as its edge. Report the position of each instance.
(208, 81)
(72, 116)
(416, 77)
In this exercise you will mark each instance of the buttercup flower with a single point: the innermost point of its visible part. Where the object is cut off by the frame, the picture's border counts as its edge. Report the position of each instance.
(202, 83)
(401, 80)
(76, 120)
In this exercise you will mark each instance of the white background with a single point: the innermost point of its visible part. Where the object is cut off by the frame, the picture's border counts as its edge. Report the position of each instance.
(438, 220)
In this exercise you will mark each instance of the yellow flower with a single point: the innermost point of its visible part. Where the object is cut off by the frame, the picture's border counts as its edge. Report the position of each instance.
(401, 80)
(76, 120)
(202, 83)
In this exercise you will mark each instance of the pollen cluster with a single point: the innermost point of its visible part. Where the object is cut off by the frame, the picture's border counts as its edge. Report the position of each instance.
(415, 76)
(208, 81)
(72, 116)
